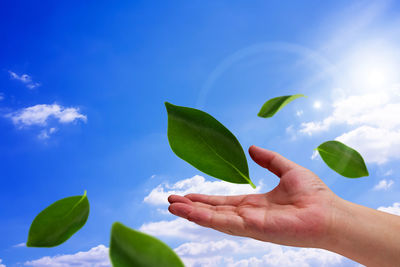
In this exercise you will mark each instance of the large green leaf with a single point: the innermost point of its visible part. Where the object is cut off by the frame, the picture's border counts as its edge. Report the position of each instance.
(58, 222)
(132, 248)
(202, 141)
(343, 159)
(273, 105)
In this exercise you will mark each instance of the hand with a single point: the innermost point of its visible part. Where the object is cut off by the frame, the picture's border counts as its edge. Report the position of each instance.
(297, 212)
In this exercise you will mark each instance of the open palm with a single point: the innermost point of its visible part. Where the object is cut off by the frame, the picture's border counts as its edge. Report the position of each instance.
(297, 212)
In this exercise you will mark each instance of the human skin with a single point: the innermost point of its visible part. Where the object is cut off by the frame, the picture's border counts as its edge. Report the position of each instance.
(300, 211)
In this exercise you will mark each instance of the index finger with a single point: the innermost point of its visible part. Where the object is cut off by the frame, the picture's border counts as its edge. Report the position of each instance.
(216, 200)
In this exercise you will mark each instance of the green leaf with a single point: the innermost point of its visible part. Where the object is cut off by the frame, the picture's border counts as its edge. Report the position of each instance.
(132, 248)
(202, 141)
(273, 105)
(58, 222)
(343, 159)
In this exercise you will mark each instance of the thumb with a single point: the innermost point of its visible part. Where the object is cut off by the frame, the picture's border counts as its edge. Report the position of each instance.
(271, 160)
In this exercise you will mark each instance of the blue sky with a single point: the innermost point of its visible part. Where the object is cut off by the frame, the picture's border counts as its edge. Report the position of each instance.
(82, 91)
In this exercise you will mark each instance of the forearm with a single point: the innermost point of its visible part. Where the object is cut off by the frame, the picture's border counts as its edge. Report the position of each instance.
(365, 235)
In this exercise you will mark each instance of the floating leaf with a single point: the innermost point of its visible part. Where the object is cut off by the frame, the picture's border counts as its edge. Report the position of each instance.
(273, 105)
(202, 141)
(132, 248)
(343, 159)
(58, 222)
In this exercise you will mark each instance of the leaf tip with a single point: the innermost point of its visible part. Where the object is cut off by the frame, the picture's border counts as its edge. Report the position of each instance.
(262, 115)
(29, 243)
(116, 225)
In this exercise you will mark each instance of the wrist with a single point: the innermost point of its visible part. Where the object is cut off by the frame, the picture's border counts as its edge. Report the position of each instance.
(340, 215)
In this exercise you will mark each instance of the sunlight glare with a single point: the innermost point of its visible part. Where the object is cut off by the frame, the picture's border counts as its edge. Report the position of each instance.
(317, 105)
(373, 68)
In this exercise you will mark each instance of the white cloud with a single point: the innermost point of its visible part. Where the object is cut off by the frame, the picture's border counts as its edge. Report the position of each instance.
(95, 257)
(25, 79)
(46, 133)
(20, 245)
(303, 257)
(32, 85)
(371, 109)
(312, 127)
(314, 155)
(1, 265)
(236, 245)
(180, 229)
(163, 211)
(299, 113)
(43, 135)
(40, 114)
(248, 252)
(388, 173)
(394, 209)
(376, 145)
(213, 261)
(291, 132)
(375, 123)
(1, 96)
(197, 184)
(208, 248)
(384, 185)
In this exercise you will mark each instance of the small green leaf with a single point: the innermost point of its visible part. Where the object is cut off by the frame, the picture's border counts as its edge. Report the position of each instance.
(343, 159)
(273, 105)
(202, 141)
(132, 248)
(58, 222)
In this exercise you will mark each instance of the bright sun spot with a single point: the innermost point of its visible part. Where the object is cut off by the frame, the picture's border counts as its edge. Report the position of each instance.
(317, 104)
(372, 67)
(374, 74)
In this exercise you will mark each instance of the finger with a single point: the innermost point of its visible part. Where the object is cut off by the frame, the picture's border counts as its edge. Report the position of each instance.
(271, 160)
(180, 209)
(176, 198)
(225, 222)
(216, 200)
(180, 199)
(219, 208)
